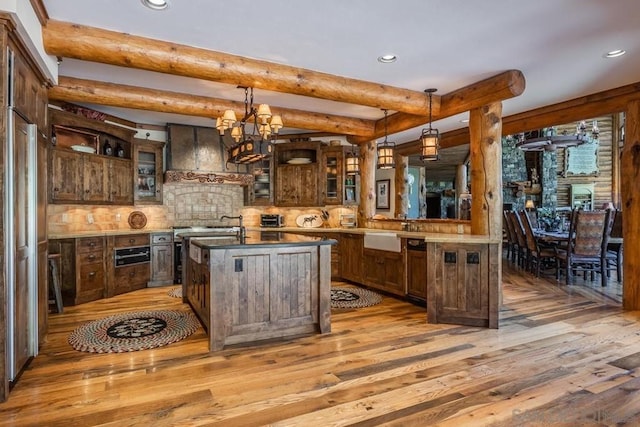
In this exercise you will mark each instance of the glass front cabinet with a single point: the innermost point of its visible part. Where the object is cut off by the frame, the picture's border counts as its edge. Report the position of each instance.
(338, 188)
(147, 176)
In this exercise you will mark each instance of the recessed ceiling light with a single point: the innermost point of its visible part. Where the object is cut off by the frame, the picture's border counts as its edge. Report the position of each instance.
(386, 59)
(615, 53)
(156, 4)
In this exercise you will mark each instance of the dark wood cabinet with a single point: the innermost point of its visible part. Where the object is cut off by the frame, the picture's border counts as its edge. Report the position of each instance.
(296, 182)
(261, 193)
(126, 278)
(331, 176)
(416, 271)
(89, 178)
(198, 288)
(147, 165)
(351, 249)
(82, 268)
(384, 270)
(161, 259)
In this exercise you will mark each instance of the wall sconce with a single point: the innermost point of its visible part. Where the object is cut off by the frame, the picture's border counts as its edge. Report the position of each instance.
(529, 205)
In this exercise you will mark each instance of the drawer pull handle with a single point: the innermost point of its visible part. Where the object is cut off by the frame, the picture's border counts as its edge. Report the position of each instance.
(56, 189)
(162, 238)
(92, 256)
(92, 244)
(132, 240)
(91, 274)
(132, 273)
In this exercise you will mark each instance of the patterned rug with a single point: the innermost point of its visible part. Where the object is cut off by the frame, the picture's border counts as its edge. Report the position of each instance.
(133, 331)
(353, 297)
(175, 292)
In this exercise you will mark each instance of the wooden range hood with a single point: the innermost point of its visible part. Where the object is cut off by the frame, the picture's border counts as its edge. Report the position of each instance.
(93, 44)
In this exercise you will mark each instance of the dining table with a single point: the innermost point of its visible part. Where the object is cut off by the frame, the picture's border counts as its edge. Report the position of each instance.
(551, 237)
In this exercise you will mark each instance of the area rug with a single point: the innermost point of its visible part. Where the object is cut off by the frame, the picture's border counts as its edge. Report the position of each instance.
(353, 298)
(176, 292)
(133, 331)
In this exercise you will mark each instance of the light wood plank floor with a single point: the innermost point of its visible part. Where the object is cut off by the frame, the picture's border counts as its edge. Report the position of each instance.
(562, 356)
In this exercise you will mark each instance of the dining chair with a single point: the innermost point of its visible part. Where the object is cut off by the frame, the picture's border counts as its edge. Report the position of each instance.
(588, 238)
(521, 246)
(613, 253)
(536, 254)
(512, 240)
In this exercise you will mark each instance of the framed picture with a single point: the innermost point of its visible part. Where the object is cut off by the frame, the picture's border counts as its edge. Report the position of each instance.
(383, 188)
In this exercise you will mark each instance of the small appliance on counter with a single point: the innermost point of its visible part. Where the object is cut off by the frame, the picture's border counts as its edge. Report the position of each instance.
(347, 220)
(271, 220)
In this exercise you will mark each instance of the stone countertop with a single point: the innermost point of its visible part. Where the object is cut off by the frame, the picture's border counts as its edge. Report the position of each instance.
(99, 233)
(428, 237)
(259, 239)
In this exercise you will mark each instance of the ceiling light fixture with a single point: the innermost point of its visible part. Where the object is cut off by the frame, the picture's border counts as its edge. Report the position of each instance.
(387, 59)
(548, 139)
(385, 150)
(156, 4)
(258, 145)
(353, 162)
(430, 138)
(615, 53)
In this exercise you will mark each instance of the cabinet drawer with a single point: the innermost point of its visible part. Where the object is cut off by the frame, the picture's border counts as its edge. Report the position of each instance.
(131, 240)
(159, 238)
(91, 277)
(88, 244)
(132, 274)
(90, 257)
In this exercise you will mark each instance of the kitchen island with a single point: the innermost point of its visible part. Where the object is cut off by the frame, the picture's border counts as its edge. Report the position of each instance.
(260, 286)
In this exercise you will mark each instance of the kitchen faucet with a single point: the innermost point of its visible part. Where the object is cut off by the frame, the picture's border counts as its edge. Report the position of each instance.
(242, 232)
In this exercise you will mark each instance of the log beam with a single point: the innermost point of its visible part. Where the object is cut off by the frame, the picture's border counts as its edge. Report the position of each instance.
(71, 89)
(630, 177)
(110, 47)
(494, 89)
(367, 205)
(486, 170)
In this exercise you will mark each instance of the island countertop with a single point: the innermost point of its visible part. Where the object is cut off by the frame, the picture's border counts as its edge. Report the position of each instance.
(256, 239)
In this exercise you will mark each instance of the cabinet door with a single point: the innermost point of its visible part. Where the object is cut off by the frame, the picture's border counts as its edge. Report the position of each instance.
(351, 248)
(331, 174)
(95, 178)
(287, 186)
(120, 175)
(147, 161)
(384, 270)
(66, 176)
(417, 274)
(162, 264)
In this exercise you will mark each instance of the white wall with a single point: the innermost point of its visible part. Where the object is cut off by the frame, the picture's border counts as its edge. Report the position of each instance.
(28, 27)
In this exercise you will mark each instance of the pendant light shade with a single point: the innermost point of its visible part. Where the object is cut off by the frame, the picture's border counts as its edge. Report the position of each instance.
(430, 138)
(385, 150)
(352, 162)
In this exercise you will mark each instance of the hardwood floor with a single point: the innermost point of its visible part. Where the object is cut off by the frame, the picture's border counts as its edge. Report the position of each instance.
(562, 356)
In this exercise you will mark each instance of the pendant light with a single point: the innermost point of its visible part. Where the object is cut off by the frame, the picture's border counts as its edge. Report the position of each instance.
(430, 138)
(352, 162)
(385, 150)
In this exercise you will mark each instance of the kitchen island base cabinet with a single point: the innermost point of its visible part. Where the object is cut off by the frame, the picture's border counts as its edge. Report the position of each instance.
(463, 286)
(260, 291)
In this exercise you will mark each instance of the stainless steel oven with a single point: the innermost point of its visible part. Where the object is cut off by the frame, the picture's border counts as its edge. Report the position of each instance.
(128, 256)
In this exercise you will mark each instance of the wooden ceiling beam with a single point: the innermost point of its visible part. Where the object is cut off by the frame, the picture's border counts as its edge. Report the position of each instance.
(109, 47)
(502, 86)
(72, 89)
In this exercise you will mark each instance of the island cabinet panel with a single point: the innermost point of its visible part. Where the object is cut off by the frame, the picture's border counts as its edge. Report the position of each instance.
(198, 289)
(460, 289)
(266, 293)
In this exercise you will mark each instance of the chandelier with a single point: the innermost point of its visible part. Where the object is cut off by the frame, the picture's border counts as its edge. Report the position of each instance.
(430, 138)
(385, 150)
(548, 139)
(250, 148)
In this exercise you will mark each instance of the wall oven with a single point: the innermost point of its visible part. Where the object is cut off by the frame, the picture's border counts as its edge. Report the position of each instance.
(129, 256)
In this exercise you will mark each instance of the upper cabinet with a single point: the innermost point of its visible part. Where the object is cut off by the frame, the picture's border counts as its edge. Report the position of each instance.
(147, 164)
(337, 188)
(89, 161)
(297, 165)
(260, 193)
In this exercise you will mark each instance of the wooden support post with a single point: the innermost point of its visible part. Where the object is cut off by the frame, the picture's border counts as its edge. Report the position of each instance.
(461, 186)
(367, 207)
(485, 128)
(401, 181)
(630, 176)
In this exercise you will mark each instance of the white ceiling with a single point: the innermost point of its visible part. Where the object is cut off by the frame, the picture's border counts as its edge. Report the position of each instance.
(445, 44)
